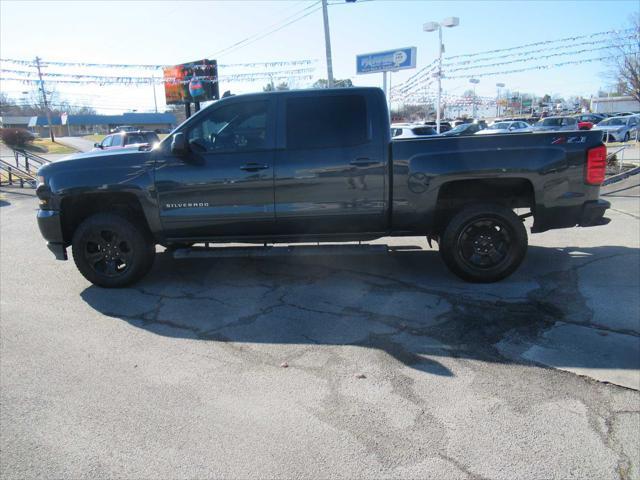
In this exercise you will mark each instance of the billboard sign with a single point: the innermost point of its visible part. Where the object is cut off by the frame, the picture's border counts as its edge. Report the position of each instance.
(388, 61)
(191, 82)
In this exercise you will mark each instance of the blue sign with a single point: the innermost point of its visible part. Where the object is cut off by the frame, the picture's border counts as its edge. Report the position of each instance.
(389, 61)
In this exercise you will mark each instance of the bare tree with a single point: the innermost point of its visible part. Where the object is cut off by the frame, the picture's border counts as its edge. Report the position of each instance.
(625, 60)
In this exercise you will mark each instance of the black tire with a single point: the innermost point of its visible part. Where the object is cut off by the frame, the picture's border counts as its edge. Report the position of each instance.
(626, 137)
(484, 243)
(111, 252)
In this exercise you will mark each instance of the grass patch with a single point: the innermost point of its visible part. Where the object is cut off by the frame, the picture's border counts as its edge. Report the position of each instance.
(45, 145)
(95, 138)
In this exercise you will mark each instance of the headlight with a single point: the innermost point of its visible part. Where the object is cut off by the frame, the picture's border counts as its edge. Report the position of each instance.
(40, 180)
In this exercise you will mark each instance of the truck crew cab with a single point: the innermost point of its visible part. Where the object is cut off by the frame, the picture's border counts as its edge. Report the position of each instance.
(317, 165)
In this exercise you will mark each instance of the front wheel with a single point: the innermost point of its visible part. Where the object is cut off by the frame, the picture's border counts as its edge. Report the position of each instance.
(484, 243)
(110, 251)
(626, 137)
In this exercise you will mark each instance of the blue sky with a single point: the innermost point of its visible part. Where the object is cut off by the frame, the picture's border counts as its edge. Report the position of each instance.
(175, 32)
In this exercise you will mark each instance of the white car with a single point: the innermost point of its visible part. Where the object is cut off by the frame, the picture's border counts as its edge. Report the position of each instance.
(619, 129)
(405, 130)
(505, 127)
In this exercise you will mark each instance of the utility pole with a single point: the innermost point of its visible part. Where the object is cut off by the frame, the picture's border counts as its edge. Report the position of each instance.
(44, 98)
(327, 44)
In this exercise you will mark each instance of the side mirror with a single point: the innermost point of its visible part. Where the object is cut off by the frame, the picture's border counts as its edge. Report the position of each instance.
(178, 144)
(97, 145)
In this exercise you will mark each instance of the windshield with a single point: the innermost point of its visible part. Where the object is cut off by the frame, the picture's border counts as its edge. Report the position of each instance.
(499, 126)
(613, 121)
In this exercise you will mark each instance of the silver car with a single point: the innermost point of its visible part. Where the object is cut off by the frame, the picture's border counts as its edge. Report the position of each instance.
(619, 129)
(556, 124)
(400, 131)
(515, 126)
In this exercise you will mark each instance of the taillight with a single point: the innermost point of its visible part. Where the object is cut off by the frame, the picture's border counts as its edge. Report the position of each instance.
(596, 165)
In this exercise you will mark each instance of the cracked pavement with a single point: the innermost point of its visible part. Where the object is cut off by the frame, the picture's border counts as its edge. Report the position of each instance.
(394, 368)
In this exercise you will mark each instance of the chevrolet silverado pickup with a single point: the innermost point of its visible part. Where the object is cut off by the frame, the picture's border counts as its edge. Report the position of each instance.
(317, 166)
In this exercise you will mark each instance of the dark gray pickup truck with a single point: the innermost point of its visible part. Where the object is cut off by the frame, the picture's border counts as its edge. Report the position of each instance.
(317, 166)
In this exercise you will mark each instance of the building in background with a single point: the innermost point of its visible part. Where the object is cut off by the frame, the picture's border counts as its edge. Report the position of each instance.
(614, 105)
(77, 125)
(40, 126)
(14, 122)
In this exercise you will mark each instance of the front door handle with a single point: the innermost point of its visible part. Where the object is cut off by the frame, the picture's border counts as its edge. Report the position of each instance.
(363, 162)
(253, 167)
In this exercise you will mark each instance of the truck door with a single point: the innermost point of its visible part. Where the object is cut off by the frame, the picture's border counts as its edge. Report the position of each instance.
(224, 185)
(330, 172)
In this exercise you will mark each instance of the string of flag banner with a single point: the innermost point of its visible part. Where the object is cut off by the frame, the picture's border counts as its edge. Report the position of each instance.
(104, 79)
(545, 42)
(149, 81)
(399, 95)
(472, 61)
(529, 59)
(279, 63)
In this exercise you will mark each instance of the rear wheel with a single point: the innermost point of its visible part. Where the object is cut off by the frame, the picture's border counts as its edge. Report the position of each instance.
(626, 137)
(110, 251)
(484, 243)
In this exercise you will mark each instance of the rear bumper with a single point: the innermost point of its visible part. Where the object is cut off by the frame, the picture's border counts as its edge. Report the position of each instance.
(593, 213)
(50, 226)
(589, 214)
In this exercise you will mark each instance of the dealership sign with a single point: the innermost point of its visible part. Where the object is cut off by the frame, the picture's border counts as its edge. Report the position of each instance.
(388, 61)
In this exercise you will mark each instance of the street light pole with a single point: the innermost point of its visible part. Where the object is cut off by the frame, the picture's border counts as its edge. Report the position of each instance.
(327, 44)
(499, 86)
(432, 27)
(475, 81)
(439, 96)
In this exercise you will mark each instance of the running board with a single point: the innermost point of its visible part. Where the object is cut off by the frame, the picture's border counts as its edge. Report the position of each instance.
(289, 250)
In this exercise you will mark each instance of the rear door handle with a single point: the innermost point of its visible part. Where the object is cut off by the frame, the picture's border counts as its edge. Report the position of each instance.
(253, 167)
(363, 162)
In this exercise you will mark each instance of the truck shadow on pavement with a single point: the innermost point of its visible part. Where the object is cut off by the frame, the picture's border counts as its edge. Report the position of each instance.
(404, 304)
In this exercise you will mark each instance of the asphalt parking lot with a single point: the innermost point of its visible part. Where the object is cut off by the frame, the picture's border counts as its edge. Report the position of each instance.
(325, 367)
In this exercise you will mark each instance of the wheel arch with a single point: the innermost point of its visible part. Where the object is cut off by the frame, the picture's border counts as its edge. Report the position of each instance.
(75, 209)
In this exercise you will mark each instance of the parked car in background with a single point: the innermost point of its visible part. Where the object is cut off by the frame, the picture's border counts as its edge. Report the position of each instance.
(399, 131)
(620, 129)
(444, 126)
(584, 125)
(464, 129)
(505, 127)
(124, 128)
(127, 140)
(555, 124)
(594, 118)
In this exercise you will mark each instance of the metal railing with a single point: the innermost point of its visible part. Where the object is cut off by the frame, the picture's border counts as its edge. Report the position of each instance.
(612, 155)
(20, 168)
(12, 175)
(28, 161)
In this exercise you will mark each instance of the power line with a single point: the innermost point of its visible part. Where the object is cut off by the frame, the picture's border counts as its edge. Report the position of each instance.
(259, 36)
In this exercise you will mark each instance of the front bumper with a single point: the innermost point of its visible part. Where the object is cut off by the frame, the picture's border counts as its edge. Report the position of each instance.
(50, 225)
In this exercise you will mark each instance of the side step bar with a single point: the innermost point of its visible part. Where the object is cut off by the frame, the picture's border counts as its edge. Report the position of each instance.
(289, 250)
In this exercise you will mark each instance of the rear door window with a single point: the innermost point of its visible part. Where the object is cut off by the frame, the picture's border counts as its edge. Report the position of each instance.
(326, 121)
